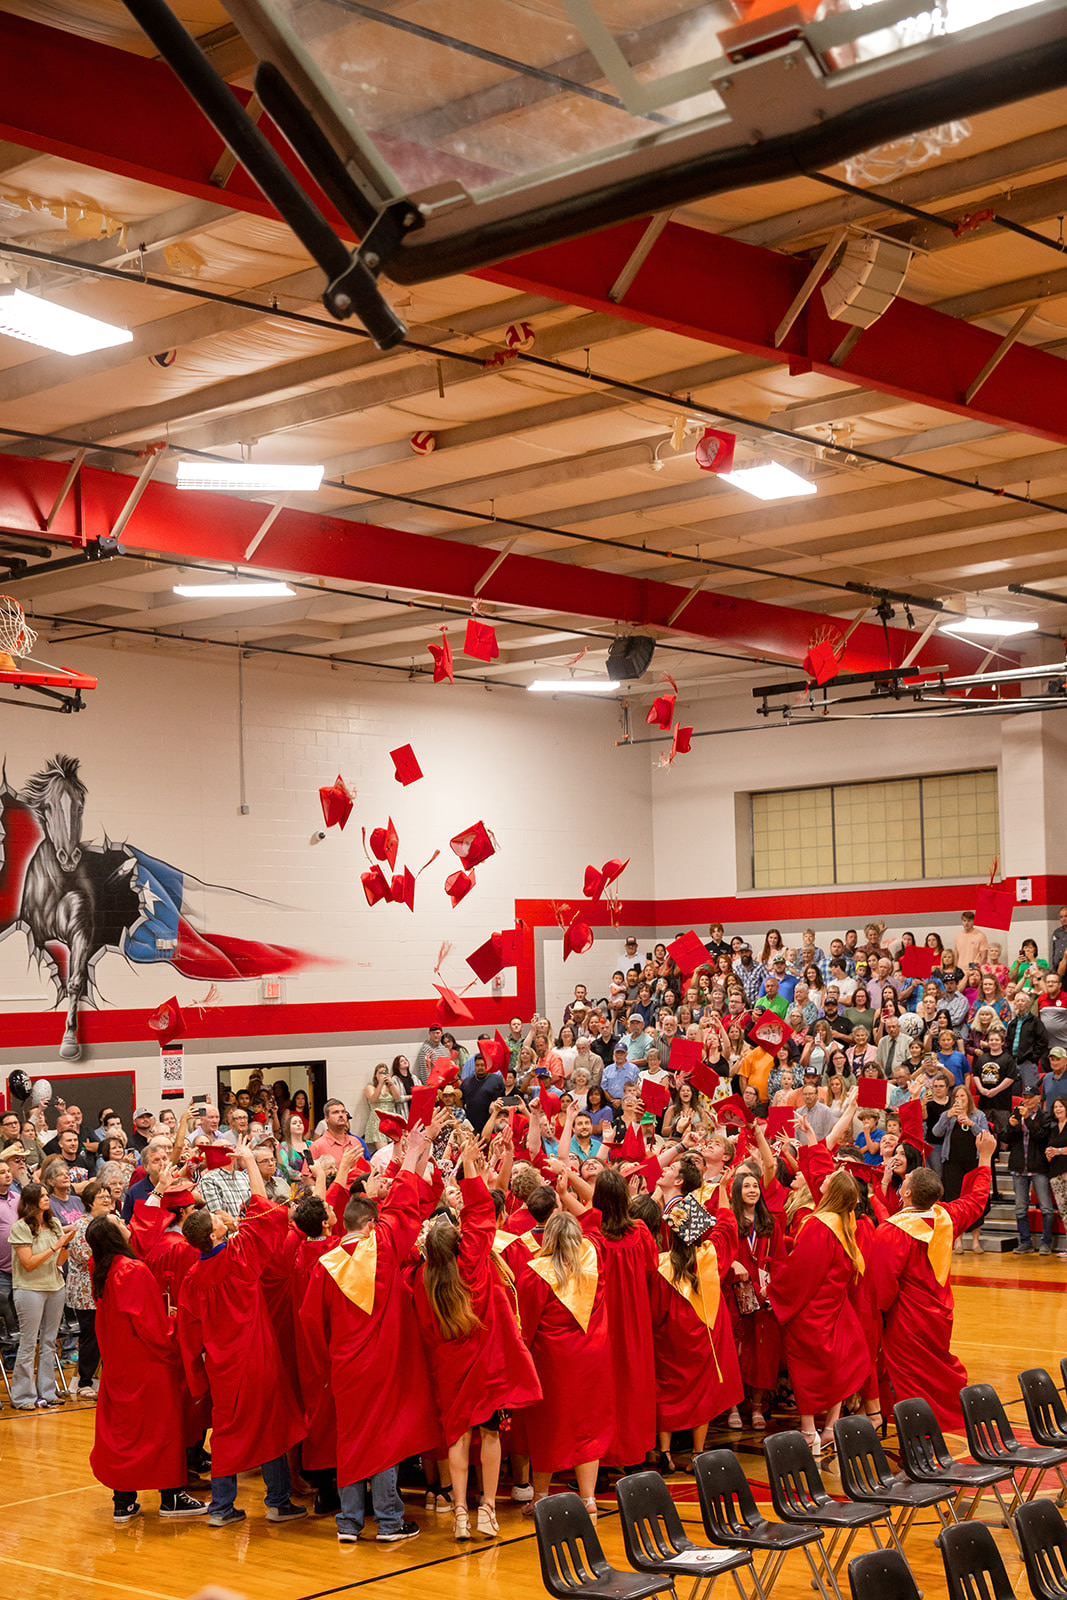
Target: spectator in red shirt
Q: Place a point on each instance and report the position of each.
(337, 1139)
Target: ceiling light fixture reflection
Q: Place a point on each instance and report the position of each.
(42, 322)
(239, 589)
(243, 476)
(986, 627)
(572, 686)
(769, 481)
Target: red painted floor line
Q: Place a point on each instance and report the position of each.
(1010, 1283)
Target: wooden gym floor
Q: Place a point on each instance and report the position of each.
(57, 1539)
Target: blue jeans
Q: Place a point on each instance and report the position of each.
(386, 1502)
(1021, 1182)
(275, 1476)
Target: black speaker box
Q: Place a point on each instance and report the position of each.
(629, 657)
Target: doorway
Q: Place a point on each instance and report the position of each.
(307, 1075)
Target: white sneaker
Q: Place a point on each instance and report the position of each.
(487, 1521)
(521, 1493)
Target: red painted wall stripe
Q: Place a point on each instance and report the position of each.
(243, 1024)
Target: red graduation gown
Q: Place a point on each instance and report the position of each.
(811, 1295)
(759, 1335)
(629, 1265)
(574, 1422)
(490, 1369)
(319, 1450)
(229, 1346)
(373, 1361)
(139, 1439)
(690, 1387)
(168, 1255)
(917, 1333)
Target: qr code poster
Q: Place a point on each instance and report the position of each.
(172, 1072)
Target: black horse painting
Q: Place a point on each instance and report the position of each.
(75, 900)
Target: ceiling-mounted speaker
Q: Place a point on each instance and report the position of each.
(629, 657)
(866, 281)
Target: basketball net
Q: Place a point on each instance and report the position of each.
(16, 638)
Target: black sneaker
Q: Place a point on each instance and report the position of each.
(199, 1461)
(327, 1502)
(1023, 1250)
(286, 1513)
(127, 1513)
(183, 1505)
(406, 1530)
(225, 1519)
(347, 1538)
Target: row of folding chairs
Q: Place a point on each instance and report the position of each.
(825, 1529)
(660, 1552)
(974, 1567)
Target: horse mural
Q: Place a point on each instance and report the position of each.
(76, 900)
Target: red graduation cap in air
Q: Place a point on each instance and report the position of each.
(423, 1100)
(703, 1078)
(652, 1172)
(458, 885)
(687, 953)
(404, 888)
(821, 662)
(375, 886)
(442, 1072)
(684, 1055)
(769, 1031)
(500, 950)
(733, 1109)
(715, 451)
(474, 845)
(910, 1113)
(780, 1119)
(993, 908)
(392, 1127)
(407, 768)
(442, 659)
(577, 938)
(495, 1051)
(680, 744)
(655, 1097)
(384, 842)
(917, 961)
(336, 803)
(550, 1103)
(661, 712)
(872, 1093)
(450, 1008)
(480, 641)
(216, 1155)
(597, 881)
(167, 1021)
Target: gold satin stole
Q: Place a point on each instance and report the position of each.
(934, 1229)
(705, 1301)
(831, 1220)
(577, 1296)
(354, 1274)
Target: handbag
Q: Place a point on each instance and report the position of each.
(747, 1300)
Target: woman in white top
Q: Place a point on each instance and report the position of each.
(567, 1050)
(816, 1052)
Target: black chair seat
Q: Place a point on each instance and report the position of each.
(866, 1475)
(572, 1560)
(797, 1490)
(926, 1456)
(778, 1536)
(653, 1536)
(989, 1433)
(729, 1511)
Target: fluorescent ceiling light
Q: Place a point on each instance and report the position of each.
(770, 481)
(987, 627)
(246, 475)
(573, 685)
(43, 322)
(239, 589)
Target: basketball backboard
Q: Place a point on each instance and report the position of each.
(471, 130)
